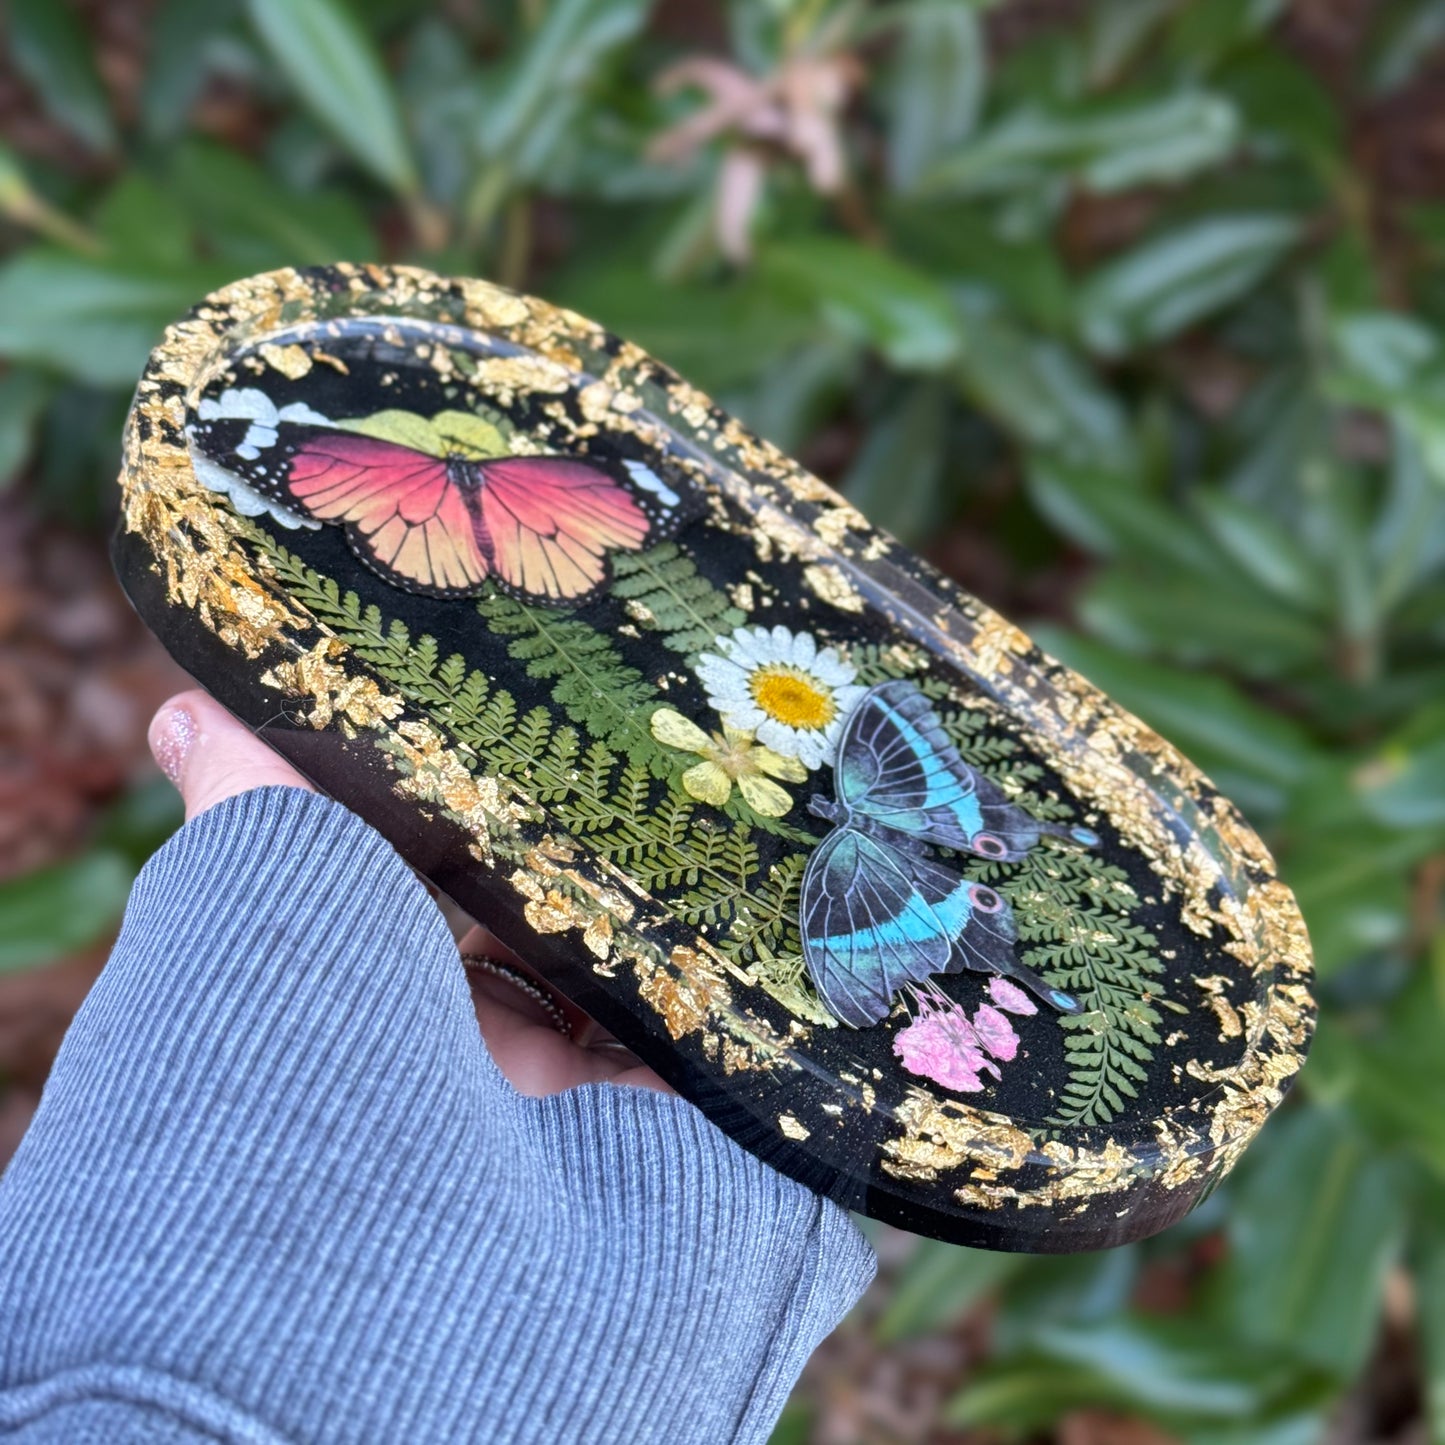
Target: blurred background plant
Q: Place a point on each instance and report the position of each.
(1128, 313)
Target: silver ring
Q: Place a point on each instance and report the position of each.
(510, 973)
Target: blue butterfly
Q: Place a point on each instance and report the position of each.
(877, 912)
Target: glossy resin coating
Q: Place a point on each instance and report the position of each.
(911, 911)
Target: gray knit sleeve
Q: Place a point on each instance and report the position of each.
(277, 1190)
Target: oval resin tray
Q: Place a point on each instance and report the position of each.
(912, 912)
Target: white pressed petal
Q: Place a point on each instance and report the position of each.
(804, 650)
(745, 715)
(832, 669)
(750, 642)
(732, 698)
(722, 678)
(777, 736)
(245, 403)
(811, 750)
(782, 643)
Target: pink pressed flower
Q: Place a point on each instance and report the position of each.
(929, 1048)
(1010, 997)
(940, 1044)
(995, 1032)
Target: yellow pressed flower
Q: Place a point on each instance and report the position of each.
(729, 757)
(792, 696)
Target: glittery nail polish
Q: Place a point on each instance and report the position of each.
(174, 739)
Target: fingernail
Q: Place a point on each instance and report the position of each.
(174, 738)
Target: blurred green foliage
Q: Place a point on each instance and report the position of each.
(1113, 302)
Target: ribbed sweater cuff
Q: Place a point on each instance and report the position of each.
(275, 1166)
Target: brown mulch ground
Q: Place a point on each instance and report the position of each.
(79, 680)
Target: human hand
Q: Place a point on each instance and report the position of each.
(210, 756)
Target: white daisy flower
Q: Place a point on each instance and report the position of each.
(779, 685)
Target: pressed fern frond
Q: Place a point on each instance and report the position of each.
(666, 593)
(591, 683)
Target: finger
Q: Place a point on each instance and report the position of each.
(210, 756)
(525, 1044)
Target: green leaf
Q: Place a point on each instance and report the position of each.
(93, 322)
(57, 911)
(141, 820)
(23, 395)
(1261, 753)
(1263, 548)
(870, 295)
(935, 85)
(1205, 31)
(251, 218)
(1176, 1370)
(1143, 608)
(335, 70)
(896, 475)
(1041, 391)
(1178, 278)
(1396, 364)
(1405, 786)
(1407, 37)
(1429, 1277)
(532, 102)
(1106, 148)
(1317, 1223)
(1077, 1289)
(940, 1285)
(959, 242)
(1386, 1070)
(182, 35)
(680, 325)
(144, 225)
(1352, 883)
(1284, 104)
(1407, 541)
(55, 55)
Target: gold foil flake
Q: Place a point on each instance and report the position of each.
(508, 375)
(1215, 987)
(597, 936)
(938, 1135)
(792, 1128)
(320, 676)
(689, 404)
(433, 773)
(556, 912)
(686, 993)
(832, 585)
(776, 532)
(833, 523)
(997, 644)
(594, 401)
(291, 361)
(495, 308)
(1273, 918)
(681, 1009)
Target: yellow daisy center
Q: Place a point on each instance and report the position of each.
(791, 696)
